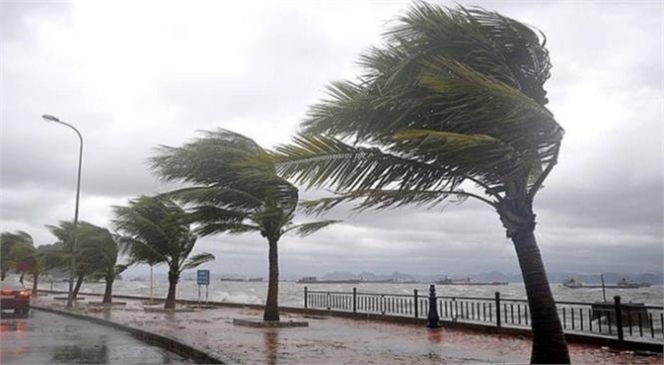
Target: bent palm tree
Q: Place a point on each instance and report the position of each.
(8, 241)
(46, 258)
(236, 190)
(106, 254)
(156, 230)
(456, 96)
(90, 245)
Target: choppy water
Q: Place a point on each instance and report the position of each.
(292, 294)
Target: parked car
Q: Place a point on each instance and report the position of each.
(14, 296)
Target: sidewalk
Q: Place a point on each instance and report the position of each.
(329, 340)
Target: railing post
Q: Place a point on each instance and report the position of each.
(354, 300)
(415, 303)
(619, 324)
(433, 320)
(306, 302)
(498, 324)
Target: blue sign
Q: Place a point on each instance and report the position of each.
(203, 277)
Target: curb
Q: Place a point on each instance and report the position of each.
(167, 343)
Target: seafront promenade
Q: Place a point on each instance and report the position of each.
(327, 339)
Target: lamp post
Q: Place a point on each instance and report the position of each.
(50, 118)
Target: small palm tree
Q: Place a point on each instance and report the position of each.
(42, 261)
(236, 190)
(156, 230)
(90, 245)
(106, 258)
(455, 97)
(8, 241)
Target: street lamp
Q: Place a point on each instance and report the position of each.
(50, 118)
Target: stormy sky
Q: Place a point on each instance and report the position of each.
(132, 75)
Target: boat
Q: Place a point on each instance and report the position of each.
(449, 281)
(572, 284)
(627, 284)
(314, 280)
(241, 279)
(624, 283)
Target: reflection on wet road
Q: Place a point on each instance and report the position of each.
(45, 338)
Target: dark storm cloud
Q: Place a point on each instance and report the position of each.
(256, 69)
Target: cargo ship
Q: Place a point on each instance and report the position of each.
(624, 283)
(242, 279)
(449, 281)
(314, 280)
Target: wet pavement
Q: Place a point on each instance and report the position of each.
(46, 338)
(332, 340)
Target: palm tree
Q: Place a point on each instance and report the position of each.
(106, 261)
(45, 258)
(8, 241)
(90, 244)
(156, 230)
(236, 190)
(455, 98)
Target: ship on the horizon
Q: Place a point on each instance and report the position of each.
(624, 283)
(314, 280)
(241, 279)
(449, 281)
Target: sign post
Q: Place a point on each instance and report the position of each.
(203, 278)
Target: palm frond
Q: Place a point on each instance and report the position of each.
(319, 160)
(389, 199)
(197, 260)
(234, 199)
(306, 229)
(207, 229)
(473, 155)
(463, 71)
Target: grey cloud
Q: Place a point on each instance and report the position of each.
(601, 207)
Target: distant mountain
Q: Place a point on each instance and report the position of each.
(610, 278)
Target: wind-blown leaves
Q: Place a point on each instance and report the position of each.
(386, 199)
(197, 260)
(317, 160)
(454, 95)
(8, 241)
(155, 230)
(306, 229)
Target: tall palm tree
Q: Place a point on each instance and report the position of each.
(156, 230)
(236, 190)
(8, 241)
(455, 98)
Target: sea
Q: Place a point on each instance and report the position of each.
(291, 294)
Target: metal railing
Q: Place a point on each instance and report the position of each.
(624, 321)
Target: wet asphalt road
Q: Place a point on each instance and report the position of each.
(46, 338)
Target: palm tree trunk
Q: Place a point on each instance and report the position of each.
(549, 345)
(77, 287)
(151, 281)
(172, 284)
(35, 279)
(108, 292)
(20, 279)
(3, 273)
(272, 304)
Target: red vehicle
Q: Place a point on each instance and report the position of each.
(14, 296)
